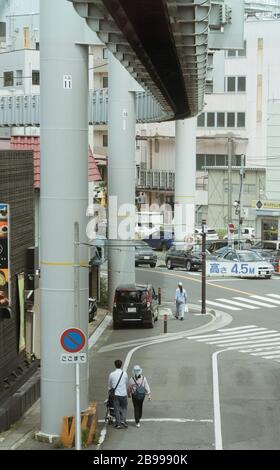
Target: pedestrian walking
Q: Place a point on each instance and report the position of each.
(117, 386)
(138, 388)
(181, 299)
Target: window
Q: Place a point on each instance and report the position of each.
(201, 120)
(8, 78)
(105, 53)
(231, 84)
(231, 53)
(26, 41)
(242, 52)
(156, 146)
(210, 119)
(210, 160)
(19, 77)
(220, 119)
(200, 162)
(236, 160)
(37, 46)
(241, 84)
(221, 160)
(105, 140)
(230, 119)
(240, 119)
(105, 82)
(35, 77)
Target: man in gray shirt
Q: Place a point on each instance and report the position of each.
(119, 381)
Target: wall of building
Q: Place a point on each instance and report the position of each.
(16, 189)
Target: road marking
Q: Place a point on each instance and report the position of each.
(228, 334)
(266, 353)
(232, 302)
(255, 341)
(216, 304)
(238, 328)
(216, 403)
(274, 295)
(245, 337)
(260, 297)
(168, 420)
(254, 302)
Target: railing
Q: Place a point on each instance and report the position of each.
(162, 180)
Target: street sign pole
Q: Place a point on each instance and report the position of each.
(203, 286)
(73, 341)
(78, 411)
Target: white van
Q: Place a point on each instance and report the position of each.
(247, 233)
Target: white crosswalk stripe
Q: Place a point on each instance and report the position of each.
(250, 339)
(252, 302)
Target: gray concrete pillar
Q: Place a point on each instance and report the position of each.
(185, 175)
(121, 176)
(64, 198)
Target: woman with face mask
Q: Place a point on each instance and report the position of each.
(138, 388)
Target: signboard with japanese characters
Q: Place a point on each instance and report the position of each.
(4, 257)
(79, 358)
(231, 268)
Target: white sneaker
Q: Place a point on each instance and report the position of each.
(138, 425)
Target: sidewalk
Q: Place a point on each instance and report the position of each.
(21, 435)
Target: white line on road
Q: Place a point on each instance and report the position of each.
(239, 304)
(254, 302)
(228, 334)
(238, 328)
(216, 304)
(274, 295)
(168, 420)
(245, 337)
(260, 297)
(216, 402)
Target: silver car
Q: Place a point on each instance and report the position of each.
(262, 268)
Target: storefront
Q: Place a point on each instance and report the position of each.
(267, 219)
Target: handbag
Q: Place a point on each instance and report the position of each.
(186, 310)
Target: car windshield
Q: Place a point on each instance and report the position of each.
(128, 297)
(249, 256)
(142, 246)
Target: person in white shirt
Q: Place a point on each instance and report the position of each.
(118, 380)
(181, 302)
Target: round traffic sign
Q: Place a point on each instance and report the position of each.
(73, 340)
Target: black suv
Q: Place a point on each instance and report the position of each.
(135, 303)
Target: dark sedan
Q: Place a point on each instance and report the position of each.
(182, 256)
(144, 254)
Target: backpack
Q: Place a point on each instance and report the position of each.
(140, 391)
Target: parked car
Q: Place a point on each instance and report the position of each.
(248, 234)
(183, 256)
(267, 245)
(211, 234)
(134, 303)
(144, 254)
(263, 268)
(160, 240)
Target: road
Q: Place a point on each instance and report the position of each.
(211, 390)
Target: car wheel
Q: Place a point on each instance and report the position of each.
(152, 265)
(169, 264)
(152, 322)
(188, 265)
(116, 325)
(136, 264)
(268, 277)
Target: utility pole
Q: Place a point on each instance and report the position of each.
(230, 146)
(203, 286)
(240, 210)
